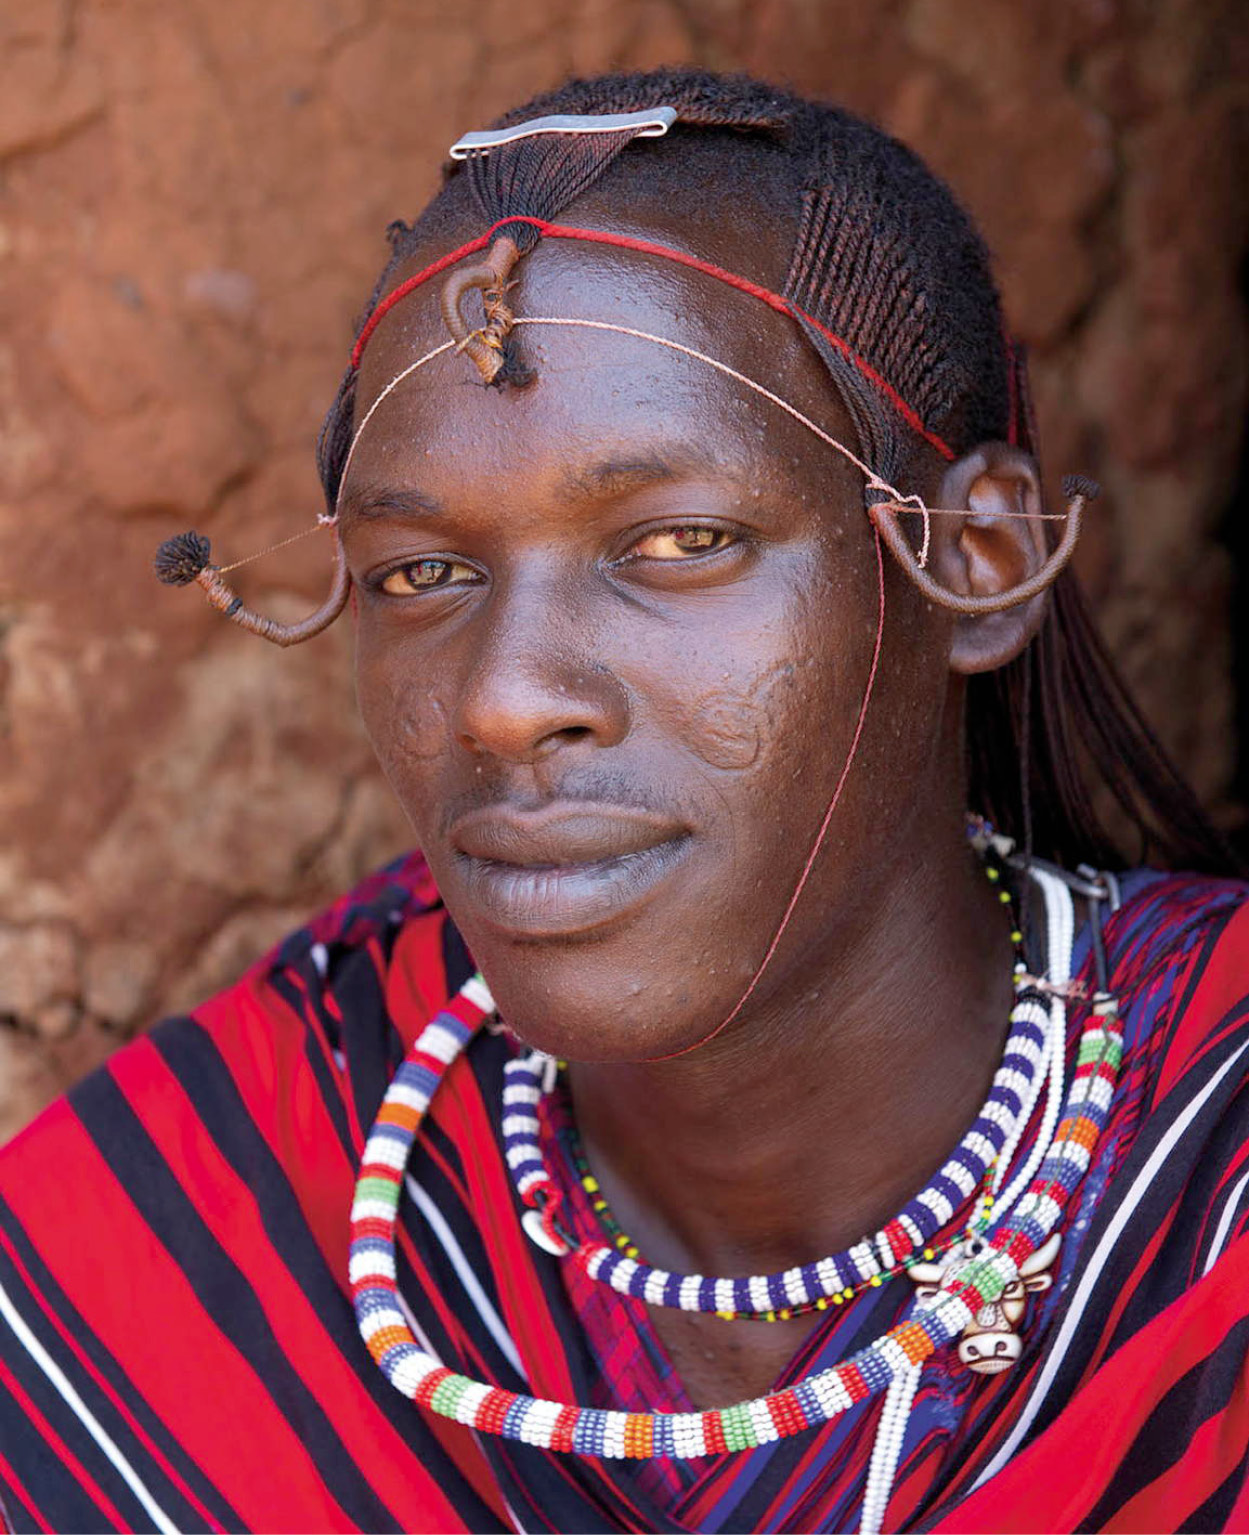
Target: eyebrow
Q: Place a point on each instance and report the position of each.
(620, 476)
(599, 481)
(377, 501)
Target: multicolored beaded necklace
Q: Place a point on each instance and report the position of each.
(901, 1242)
(890, 1363)
(981, 1217)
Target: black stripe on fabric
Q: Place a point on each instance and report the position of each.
(7, 1501)
(154, 1477)
(54, 1488)
(222, 1289)
(1163, 1439)
(1211, 924)
(300, 999)
(195, 1061)
(1216, 1512)
(1221, 1167)
(1167, 1277)
(49, 1485)
(371, 1042)
(457, 962)
(1182, 1195)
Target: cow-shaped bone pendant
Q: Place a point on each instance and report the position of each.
(989, 1343)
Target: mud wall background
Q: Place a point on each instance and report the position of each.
(192, 199)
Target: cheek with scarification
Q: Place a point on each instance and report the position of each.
(405, 722)
(730, 725)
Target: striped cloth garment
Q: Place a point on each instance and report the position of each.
(178, 1349)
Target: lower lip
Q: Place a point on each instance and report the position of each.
(555, 902)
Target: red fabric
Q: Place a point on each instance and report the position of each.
(1046, 1486)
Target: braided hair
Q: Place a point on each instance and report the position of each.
(880, 253)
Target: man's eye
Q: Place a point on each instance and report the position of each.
(425, 576)
(678, 542)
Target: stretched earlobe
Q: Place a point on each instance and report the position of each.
(884, 515)
(987, 559)
(486, 345)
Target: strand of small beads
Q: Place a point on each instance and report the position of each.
(970, 1284)
(623, 1243)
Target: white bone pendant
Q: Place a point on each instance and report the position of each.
(990, 1343)
(537, 1233)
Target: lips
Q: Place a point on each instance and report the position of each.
(563, 869)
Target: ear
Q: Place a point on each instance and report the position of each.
(1000, 545)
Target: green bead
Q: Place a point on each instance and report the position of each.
(739, 1431)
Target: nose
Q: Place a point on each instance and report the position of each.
(534, 682)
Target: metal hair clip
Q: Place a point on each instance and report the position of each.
(650, 124)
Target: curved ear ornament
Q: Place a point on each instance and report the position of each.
(1078, 490)
(185, 558)
(484, 345)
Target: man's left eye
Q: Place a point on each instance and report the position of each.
(425, 576)
(679, 542)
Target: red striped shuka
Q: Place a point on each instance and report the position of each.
(178, 1349)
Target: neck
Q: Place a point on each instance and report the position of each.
(814, 1119)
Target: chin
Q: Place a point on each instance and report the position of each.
(596, 1001)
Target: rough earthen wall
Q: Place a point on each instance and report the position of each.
(191, 203)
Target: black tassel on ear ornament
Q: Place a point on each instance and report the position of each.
(186, 559)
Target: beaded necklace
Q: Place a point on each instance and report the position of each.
(981, 1216)
(890, 1363)
(900, 1243)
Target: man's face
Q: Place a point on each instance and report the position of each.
(614, 634)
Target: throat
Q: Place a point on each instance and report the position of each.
(719, 1363)
(826, 1112)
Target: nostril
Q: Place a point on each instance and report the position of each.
(568, 736)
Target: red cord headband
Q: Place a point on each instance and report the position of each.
(774, 301)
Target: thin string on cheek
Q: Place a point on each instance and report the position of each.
(820, 835)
